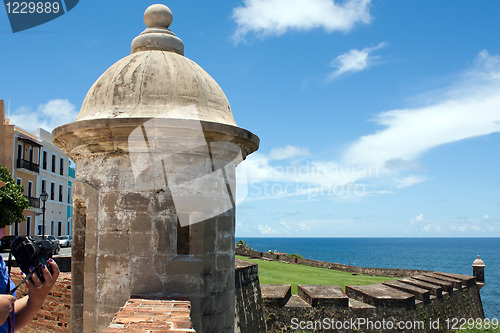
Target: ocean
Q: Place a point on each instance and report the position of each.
(452, 255)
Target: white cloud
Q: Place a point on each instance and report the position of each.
(417, 219)
(409, 180)
(48, 116)
(354, 61)
(386, 160)
(484, 59)
(276, 17)
(303, 227)
(463, 224)
(266, 230)
(467, 109)
(287, 152)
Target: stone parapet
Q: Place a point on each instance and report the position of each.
(406, 300)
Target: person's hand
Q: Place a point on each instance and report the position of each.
(37, 290)
(6, 307)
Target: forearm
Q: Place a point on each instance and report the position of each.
(26, 309)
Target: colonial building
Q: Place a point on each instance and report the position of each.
(39, 166)
(54, 179)
(20, 153)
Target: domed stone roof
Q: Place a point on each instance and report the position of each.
(478, 263)
(156, 80)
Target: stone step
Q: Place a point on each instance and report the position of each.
(421, 294)
(276, 294)
(380, 295)
(446, 286)
(318, 295)
(457, 284)
(434, 289)
(296, 302)
(467, 280)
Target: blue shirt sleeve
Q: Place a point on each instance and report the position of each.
(4, 281)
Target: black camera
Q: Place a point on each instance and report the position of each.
(32, 253)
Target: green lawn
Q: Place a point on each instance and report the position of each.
(274, 272)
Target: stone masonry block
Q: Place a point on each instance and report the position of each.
(276, 294)
(434, 289)
(457, 284)
(446, 286)
(380, 295)
(420, 293)
(468, 281)
(316, 295)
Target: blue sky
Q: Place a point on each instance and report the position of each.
(376, 118)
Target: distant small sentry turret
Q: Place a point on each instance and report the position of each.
(478, 270)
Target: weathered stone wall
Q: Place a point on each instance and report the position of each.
(129, 242)
(249, 314)
(391, 272)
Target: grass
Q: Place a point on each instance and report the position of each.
(274, 272)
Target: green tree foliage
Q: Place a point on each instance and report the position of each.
(242, 245)
(12, 200)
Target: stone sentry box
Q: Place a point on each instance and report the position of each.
(155, 146)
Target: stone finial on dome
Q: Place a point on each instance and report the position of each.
(158, 16)
(478, 262)
(157, 36)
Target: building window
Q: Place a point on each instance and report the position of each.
(44, 160)
(28, 225)
(52, 190)
(19, 151)
(19, 181)
(183, 238)
(51, 227)
(54, 163)
(31, 154)
(44, 188)
(69, 195)
(30, 188)
(60, 193)
(61, 166)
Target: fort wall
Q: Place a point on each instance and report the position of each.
(426, 301)
(391, 272)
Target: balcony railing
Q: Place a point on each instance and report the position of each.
(34, 202)
(28, 165)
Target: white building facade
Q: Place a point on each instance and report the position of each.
(55, 179)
